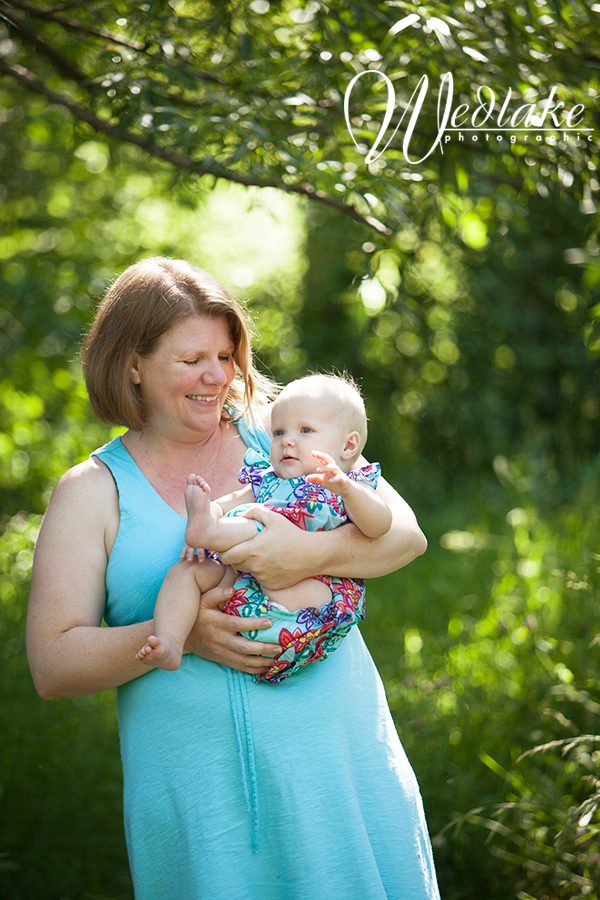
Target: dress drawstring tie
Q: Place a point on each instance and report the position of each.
(238, 696)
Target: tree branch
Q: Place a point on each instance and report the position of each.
(78, 28)
(198, 167)
(59, 9)
(107, 36)
(62, 65)
(71, 25)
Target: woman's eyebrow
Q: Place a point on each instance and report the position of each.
(192, 351)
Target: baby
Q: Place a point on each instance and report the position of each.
(319, 428)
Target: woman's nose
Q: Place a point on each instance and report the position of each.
(214, 374)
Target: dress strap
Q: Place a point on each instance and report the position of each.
(135, 491)
(254, 434)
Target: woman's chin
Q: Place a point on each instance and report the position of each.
(206, 408)
(203, 419)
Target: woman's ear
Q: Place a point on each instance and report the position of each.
(134, 369)
(351, 445)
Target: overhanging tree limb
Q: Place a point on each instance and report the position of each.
(106, 37)
(198, 167)
(71, 25)
(58, 60)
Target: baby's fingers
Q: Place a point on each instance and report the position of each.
(187, 553)
(326, 474)
(324, 458)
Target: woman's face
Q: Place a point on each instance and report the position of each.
(185, 380)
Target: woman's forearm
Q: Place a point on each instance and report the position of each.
(87, 659)
(282, 555)
(346, 552)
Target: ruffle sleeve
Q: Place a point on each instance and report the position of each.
(256, 466)
(369, 473)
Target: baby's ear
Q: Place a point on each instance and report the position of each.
(351, 445)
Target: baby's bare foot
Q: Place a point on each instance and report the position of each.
(163, 652)
(197, 502)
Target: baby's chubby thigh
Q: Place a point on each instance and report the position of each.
(309, 593)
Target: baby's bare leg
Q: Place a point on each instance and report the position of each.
(228, 579)
(309, 592)
(175, 617)
(204, 528)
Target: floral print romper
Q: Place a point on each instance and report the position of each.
(310, 634)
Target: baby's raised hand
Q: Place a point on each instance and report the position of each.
(328, 473)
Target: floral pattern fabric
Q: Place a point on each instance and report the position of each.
(312, 633)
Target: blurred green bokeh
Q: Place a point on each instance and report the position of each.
(474, 331)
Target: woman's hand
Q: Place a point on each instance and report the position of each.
(215, 636)
(278, 557)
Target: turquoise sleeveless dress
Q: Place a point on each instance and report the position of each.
(239, 790)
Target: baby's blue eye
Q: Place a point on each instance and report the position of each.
(278, 432)
(306, 429)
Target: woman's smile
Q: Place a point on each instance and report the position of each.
(187, 377)
(203, 398)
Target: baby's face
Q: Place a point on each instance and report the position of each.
(300, 425)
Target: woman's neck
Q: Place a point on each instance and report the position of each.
(152, 444)
(166, 462)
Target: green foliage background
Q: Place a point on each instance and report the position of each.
(472, 325)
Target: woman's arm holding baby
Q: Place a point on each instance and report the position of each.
(282, 554)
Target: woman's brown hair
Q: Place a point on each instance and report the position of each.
(139, 307)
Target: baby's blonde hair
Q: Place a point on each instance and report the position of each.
(350, 408)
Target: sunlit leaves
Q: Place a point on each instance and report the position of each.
(258, 89)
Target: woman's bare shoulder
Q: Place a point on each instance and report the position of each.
(89, 481)
(83, 510)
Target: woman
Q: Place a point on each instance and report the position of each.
(232, 788)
